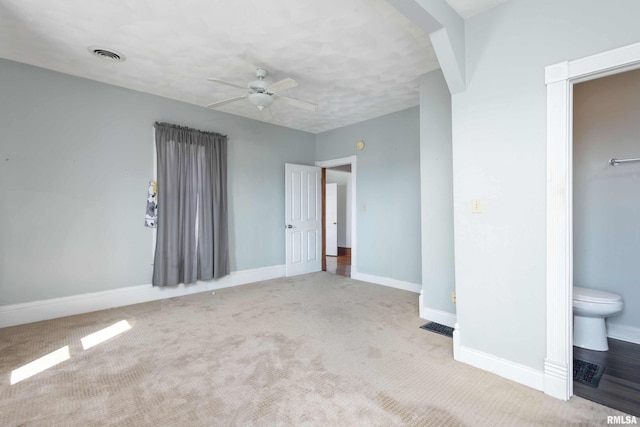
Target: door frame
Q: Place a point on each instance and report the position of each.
(351, 160)
(560, 78)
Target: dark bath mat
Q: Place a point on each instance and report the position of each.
(447, 331)
(587, 373)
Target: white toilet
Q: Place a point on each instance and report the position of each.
(590, 307)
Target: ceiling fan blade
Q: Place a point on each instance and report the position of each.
(283, 84)
(299, 103)
(226, 101)
(224, 82)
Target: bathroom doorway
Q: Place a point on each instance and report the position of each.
(560, 79)
(606, 245)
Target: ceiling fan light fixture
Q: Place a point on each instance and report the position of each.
(261, 100)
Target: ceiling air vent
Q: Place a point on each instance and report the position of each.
(106, 54)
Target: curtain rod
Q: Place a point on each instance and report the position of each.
(616, 162)
(185, 128)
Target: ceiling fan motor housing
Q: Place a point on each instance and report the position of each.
(260, 97)
(258, 85)
(260, 100)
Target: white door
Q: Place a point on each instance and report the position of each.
(331, 219)
(303, 219)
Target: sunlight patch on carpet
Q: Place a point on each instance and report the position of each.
(102, 335)
(39, 365)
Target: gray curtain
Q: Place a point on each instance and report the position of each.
(192, 242)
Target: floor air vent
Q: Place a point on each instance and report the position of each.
(587, 373)
(447, 331)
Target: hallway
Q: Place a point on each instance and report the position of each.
(341, 264)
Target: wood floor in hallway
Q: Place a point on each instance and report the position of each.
(340, 264)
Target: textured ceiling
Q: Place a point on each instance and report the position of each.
(356, 59)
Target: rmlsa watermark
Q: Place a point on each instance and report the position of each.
(621, 419)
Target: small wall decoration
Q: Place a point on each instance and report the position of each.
(151, 218)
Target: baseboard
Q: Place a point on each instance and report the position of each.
(386, 281)
(18, 314)
(623, 333)
(555, 379)
(457, 343)
(504, 368)
(438, 316)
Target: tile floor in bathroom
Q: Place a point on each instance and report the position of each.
(620, 384)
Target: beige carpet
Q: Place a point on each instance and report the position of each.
(317, 350)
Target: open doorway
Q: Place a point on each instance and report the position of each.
(560, 78)
(339, 219)
(605, 252)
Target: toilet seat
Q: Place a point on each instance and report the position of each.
(594, 296)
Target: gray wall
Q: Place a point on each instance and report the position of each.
(343, 181)
(606, 199)
(499, 156)
(76, 157)
(388, 191)
(436, 176)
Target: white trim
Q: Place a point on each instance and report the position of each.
(351, 160)
(623, 333)
(556, 73)
(457, 342)
(559, 355)
(387, 281)
(17, 314)
(555, 379)
(502, 367)
(438, 316)
(606, 63)
(558, 381)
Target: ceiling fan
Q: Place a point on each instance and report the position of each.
(262, 94)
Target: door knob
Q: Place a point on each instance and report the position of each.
(289, 226)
